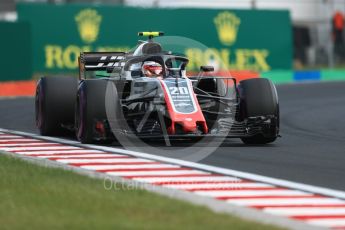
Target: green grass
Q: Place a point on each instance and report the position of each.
(35, 197)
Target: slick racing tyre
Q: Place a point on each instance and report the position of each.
(90, 108)
(54, 104)
(259, 99)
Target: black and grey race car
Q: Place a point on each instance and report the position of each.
(145, 93)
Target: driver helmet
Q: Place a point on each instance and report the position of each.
(152, 69)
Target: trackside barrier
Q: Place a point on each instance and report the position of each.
(286, 76)
(15, 56)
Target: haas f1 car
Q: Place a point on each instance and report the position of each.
(145, 93)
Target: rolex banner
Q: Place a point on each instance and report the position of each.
(259, 40)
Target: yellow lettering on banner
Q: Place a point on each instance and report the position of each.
(67, 57)
(242, 59)
(261, 59)
(70, 57)
(196, 58)
(53, 55)
(224, 59)
(225, 56)
(252, 60)
(212, 55)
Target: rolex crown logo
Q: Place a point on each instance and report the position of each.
(88, 21)
(227, 27)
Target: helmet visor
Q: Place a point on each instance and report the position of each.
(153, 69)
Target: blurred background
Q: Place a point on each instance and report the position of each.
(284, 40)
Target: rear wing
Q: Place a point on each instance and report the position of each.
(93, 61)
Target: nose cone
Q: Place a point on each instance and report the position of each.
(189, 126)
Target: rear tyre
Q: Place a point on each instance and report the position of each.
(91, 108)
(54, 104)
(259, 99)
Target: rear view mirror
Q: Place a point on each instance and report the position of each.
(206, 68)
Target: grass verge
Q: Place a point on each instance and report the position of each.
(35, 197)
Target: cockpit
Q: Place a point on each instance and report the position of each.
(159, 65)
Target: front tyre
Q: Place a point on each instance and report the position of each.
(259, 98)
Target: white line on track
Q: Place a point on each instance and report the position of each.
(328, 222)
(112, 167)
(58, 152)
(80, 155)
(14, 149)
(156, 173)
(286, 201)
(252, 193)
(105, 160)
(293, 211)
(233, 185)
(4, 136)
(186, 179)
(41, 143)
(19, 140)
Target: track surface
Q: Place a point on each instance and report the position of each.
(311, 150)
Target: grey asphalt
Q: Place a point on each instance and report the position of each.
(311, 150)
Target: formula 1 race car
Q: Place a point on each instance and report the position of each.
(145, 93)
